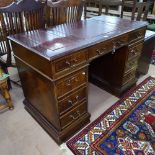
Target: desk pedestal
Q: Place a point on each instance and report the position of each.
(58, 136)
(112, 73)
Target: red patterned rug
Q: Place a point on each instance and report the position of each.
(126, 128)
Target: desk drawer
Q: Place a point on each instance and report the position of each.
(107, 46)
(136, 35)
(120, 41)
(132, 64)
(99, 49)
(72, 100)
(71, 82)
(135, 51)
(73, 115)
(129, 76)
(70, 61)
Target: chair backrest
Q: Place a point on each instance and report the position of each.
(139, 9)
(24, 15)
(92, 8)
(107, 4)
(19, 17)
(153, 10)
(142, 9)
(129, 7)
(64, 11)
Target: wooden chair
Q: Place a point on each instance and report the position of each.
(142, 9)
(4, 3)
(92, 8)
(128, 8)
(151, 20)
(64, 11)
(18, 17)
(5, 92)
(139, 10)
(98, 7)
(108, 4)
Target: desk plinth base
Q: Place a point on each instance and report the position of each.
(115, 90)
(58, 136)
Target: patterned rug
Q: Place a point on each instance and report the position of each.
(126, 128)
(153, 58)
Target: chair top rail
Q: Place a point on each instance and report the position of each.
(22, 5)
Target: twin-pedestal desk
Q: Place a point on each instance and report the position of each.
(54, 66)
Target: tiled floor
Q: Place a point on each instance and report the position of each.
(20, 134)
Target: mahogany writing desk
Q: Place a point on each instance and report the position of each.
(53, 67)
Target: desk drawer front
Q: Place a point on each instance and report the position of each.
(135, 51)
(128, 77)
(136, 35)
(107, 46)
(73, 115)
(131, 64)
(120, 41)
(99, 49)
(71, 82)
(70, 61)
(72, 100)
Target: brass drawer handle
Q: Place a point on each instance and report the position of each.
(68, 63)
(131, 64)
(71, 64)
(74, 61)
(68, 83)
(76, 79)
(117, 44)
(103, 50)
(77, 98)
(75, 117)
(70, 102)
(114, 49)
(139, 35)
(134, 52)
(120, 43)
(98, 52)
(78, 112)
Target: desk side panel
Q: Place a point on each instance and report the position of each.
(34, 60)
(145, 58)
(39, 92)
